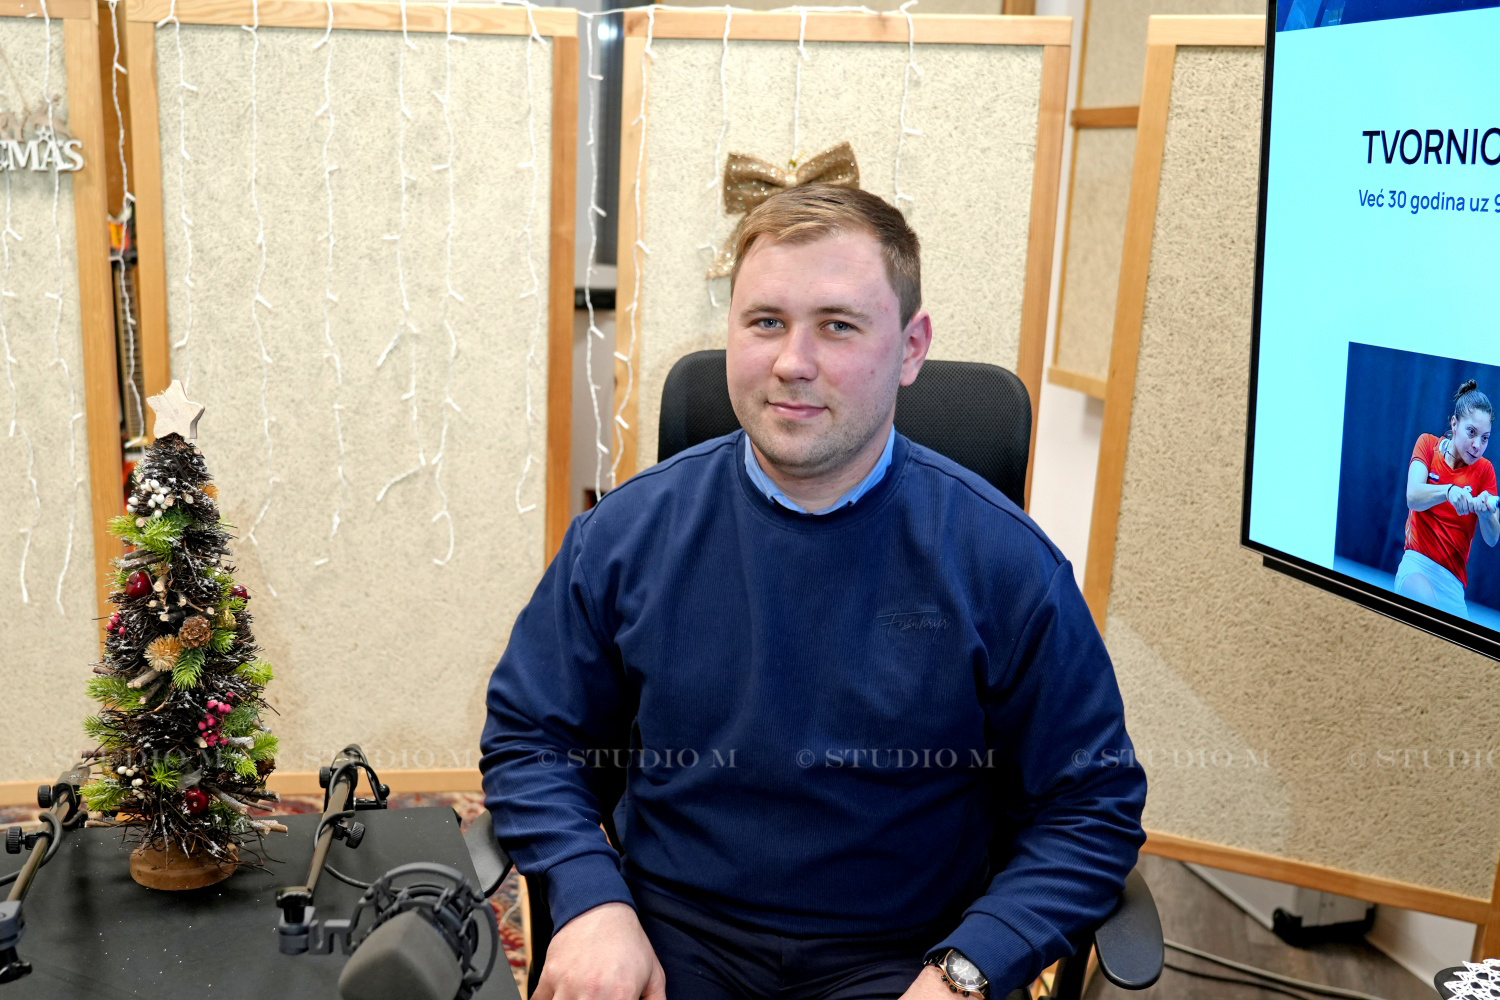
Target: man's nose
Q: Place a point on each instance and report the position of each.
(797, 359)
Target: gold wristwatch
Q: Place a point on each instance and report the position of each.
(959, 974)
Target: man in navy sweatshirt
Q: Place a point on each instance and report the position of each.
(866, 720)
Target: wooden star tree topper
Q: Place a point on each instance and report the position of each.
(175, 413)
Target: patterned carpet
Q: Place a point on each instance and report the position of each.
(468, 805)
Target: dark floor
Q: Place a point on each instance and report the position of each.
(1194, 913)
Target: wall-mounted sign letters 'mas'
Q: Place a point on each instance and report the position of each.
(38, 140)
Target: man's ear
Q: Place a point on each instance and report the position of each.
(916, 340)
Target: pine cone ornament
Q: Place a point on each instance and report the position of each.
(195, 632)
(162, 653)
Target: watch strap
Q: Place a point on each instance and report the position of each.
(939, 962)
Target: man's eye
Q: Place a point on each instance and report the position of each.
(839, 326)
(766, 323)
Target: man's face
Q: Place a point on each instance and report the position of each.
(816, 352)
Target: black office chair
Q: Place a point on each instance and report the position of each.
(978, 415)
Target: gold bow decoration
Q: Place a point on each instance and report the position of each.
(749, 180)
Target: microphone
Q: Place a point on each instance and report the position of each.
(405, 958)
(425, 939)
(418, 931)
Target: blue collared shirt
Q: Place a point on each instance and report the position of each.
(765, 485)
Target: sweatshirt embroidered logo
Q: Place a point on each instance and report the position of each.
(904, 621)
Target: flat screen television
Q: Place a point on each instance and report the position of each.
(1377, 297)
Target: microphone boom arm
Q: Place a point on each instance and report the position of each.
(65, 811)
(299, 929)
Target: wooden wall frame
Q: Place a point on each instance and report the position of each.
(96, 312)
(1053, 34)
(558, 24)
(1163, 39)
(1081, 118)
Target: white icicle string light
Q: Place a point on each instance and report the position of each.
(450, 295)
(183, 88)
(639, 247)
(912, 69)
(636, 249)
(534, 292)
(405, 326)
(713, 167)
(36, 513)
(258, 300)
(6, 235)
(797, 97)
(56, 296)
(595, 212)
(127, 202)
(329, 298)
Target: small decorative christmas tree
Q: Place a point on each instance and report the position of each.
(184, 753)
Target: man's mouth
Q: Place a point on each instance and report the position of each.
(794, 409)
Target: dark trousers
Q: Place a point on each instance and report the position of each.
(708, 958)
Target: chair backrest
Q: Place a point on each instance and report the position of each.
(979, 415)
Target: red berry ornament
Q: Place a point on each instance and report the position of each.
(139, 584)
(194, 800)
(240, 592)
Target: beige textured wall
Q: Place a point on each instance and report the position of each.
(1218, 655)
(1115, 45)
(46, 647)
(378, 643)
(969, 172)
(1101, 194)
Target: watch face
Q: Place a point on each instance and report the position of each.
(963, 972)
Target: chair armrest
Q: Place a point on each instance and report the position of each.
(1129, 942)
(491, 863)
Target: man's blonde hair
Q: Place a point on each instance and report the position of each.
(813, 211)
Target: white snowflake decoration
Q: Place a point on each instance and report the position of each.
(1476, 981)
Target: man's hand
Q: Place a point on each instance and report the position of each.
(602, 954)
(929, 985)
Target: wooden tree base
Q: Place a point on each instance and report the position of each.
(171, 869)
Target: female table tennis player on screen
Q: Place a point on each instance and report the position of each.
(1450, 492)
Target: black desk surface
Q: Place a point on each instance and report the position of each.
(92, 933)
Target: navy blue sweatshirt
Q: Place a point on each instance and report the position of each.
(827, 721)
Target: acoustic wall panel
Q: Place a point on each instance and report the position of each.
(975, 171)
(59, 405)
(1114, 53)
(358, 226)
(1285, 732)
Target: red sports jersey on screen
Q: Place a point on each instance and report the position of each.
(1440, 533)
